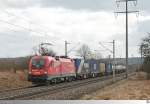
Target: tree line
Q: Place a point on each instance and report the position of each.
(145, 53)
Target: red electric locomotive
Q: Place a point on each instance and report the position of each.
(46, 69)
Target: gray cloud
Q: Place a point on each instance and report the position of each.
(144, 5)
(19, 4)
(144, 26)
(71, 4)
(141, 32)
(21, 43)
(80, 4)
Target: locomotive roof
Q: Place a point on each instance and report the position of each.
(55, 58)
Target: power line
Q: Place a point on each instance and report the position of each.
(16, 37)
(105, 47)
(21, 27)
(73, 48)
(41, 40)
(25, 28)
(23, 18)
(30, 22)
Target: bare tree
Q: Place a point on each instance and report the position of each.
(145, 49)
(145, 46)
(84, 51)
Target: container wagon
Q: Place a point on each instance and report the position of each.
(108, 67)
(102, 68)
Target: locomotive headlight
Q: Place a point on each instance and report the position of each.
(45, 72)
(29, 72)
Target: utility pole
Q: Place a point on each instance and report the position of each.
(126, 12)
(113, 60)
(66, 43)
(114, 63)
(113, 52)
(142, 56)
(126, 38)
(113, 49)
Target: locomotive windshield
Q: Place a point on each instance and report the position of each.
(38, 63)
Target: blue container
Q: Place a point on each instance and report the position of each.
(108, 67)
(93, 66)
(77, 63)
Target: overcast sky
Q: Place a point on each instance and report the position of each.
(26, 23)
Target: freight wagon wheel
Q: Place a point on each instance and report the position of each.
(48, 83)
(84, 76)
(79, 77)
(55, 81)
(72, 78)
(69, 79)
(93, 75)
(66, 79)
(59, 80)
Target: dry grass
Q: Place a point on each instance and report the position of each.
(135, 88)
(10, 80)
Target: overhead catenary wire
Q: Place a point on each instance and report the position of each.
(23, 18)
(28, 28)
(10, 35)
(25, 28)
(31, 22)
(45, 33)
(105, 47)
(73, 48)
(52, 39)
(22, 28)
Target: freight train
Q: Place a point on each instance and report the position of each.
(47, 69)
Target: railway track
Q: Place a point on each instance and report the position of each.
(65, 89)
(19, 88)
(33, 92)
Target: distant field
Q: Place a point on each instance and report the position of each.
(12, 64)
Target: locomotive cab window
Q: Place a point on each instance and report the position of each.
(38, 63)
